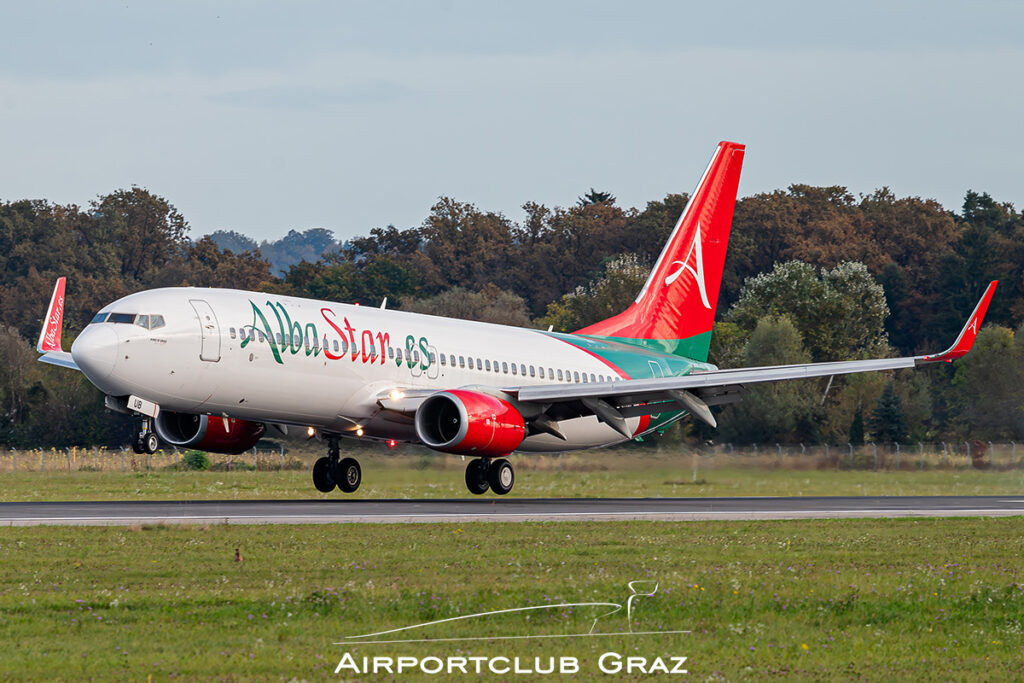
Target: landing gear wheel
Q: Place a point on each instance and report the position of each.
(476, 477)
(501, 476)
(150, 442)
(350, 475)
(322, 479)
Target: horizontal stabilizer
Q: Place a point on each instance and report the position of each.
(61, 358)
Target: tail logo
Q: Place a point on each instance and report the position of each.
(698, 271)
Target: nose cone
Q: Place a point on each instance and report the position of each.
(95, 352)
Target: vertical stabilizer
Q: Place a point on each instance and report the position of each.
(675, 310)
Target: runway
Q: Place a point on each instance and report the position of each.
(491, 509)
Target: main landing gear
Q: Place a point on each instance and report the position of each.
(483, 474)
(145, 440)
(333, 470)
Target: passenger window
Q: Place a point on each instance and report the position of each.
(470, 359)
(479, 364)
(444, 358)
(416, 356)
(231, 331)
(335, 346)
(391, 351)
(514, 369)
(584, 377)
(252, 334)
(592, 379)
(462, 361)
(277, 338)
(522, 370)
(487, 365)
(576, 376)
(551, 373)
(504, 367)
(559, 374)
(531, 372)
(451, 360)
(540, 372)
(262, 338)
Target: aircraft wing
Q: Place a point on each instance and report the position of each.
(616, 400)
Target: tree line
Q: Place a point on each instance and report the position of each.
(813, 273)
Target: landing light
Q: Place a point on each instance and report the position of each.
(359, 431)
(310, 432)
(391, 443)
(396, 395)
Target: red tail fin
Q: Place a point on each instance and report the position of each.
(675, 310)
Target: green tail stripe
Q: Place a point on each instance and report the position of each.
(695, 347)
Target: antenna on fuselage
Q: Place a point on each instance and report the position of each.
(384, 304)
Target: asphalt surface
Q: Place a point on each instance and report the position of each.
(492, 509)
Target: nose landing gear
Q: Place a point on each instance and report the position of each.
(483, 474)
(334, 471)
(145, 440)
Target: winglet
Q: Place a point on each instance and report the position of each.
(49, 337)
(967, 336)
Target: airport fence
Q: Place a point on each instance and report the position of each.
(871, 457)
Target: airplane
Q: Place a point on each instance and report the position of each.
(211, 369)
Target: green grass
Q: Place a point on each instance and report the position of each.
(442, 477)
(832, 600)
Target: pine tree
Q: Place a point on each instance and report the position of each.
(888, 423)
(857, 428)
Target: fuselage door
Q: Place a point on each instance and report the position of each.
(210, 330)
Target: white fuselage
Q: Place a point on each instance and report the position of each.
(286, 360)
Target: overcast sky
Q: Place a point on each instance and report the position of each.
(265, 117)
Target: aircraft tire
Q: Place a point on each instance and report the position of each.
(476, 477)
(150, 442)
(350, 475)
(322, 479)
(501, 476)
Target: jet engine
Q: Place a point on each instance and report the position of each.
(469, 423)
(208, 432)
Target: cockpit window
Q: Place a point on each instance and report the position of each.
(149, 322)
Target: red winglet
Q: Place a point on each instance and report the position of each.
(967, 336)
(49, 337)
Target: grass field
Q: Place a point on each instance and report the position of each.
(828, 600)
(442, 477)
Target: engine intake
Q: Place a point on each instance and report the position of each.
(208, 433)
(468, 422)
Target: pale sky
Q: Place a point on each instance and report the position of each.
(262, 117)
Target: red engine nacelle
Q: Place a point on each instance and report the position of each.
(208, 433)
(469, 423)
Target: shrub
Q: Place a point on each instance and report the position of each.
(196, 460)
